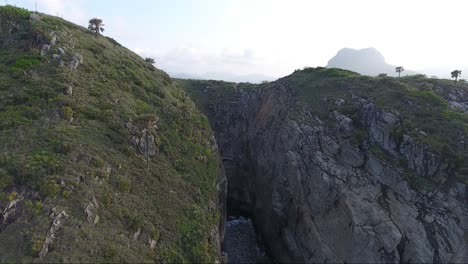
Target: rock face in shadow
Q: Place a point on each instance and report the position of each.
(241, 242)
(315, 196)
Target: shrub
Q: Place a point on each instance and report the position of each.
(67, 113)
(358, 136)
(122, 184)
(110, 252)
(61, 147)
(97, 162)
(378, 152)
(131, 220)
(35, 246)
(66, 194)
(12, 196)
(34, 207)
(49, 188)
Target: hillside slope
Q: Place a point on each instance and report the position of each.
(337, 167)
(102, 157)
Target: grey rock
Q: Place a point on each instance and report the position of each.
(429, 219)
(45, 50)
(56, 225)
(75, 61)
(53, 38)
(136, 235)
(340, 102)
(56, 56)
(344, 121)
(422, 133)
(419, 157)
(460, 106)
(10, 212)
(62, 51)
(143, 140)
(317, 198)
(146, 145)
(69, 90)
(380, 125)
(152, 243)
(91, 212)
(34, 17)
(352, 156)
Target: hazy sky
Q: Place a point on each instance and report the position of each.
(275, 37)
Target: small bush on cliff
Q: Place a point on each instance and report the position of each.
(67, 113)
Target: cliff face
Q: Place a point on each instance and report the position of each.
(103, 158)
(330, 172)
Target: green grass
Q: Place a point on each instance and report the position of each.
(26, 62)
(13, 12)
(41, 146)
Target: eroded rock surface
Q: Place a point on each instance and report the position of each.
(317, 197)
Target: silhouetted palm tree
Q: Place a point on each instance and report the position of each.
(456, 74)
(150, 60)
(399, 69)
(96, 25)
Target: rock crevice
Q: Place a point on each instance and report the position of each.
(314, 196)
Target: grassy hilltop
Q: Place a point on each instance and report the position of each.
(88, 127)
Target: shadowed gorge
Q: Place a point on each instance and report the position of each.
(337, 167)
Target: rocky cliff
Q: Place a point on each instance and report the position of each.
(337, 167)
(103, 158)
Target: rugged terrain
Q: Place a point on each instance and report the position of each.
(337, 167)
(103, 158)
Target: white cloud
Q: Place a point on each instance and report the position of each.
(274, 37)
(72, 10)
(200, 60)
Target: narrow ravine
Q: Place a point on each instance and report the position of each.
(241, 244)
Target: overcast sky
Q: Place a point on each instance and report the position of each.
(274, 37)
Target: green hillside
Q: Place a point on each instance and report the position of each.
(89, 128)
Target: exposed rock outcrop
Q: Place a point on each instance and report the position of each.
(56, 225)
(316, 197)
(10, 212)
(75, 61)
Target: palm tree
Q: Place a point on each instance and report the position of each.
(399, 69)
(150, 61)
(456, 74)
(96, 25)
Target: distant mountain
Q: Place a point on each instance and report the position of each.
(224, 76)
(367, 61)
